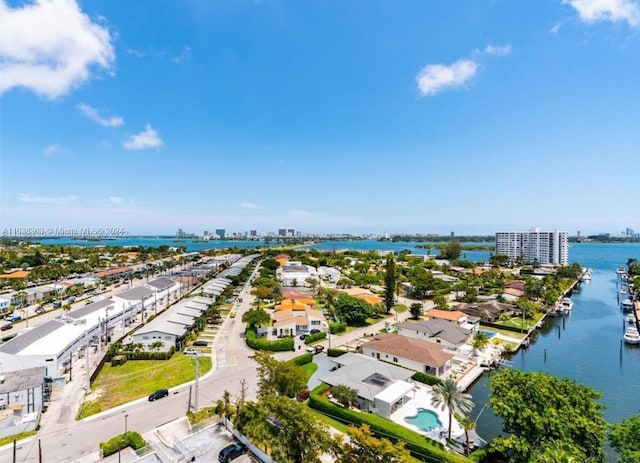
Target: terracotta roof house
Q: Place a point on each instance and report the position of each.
(515, 284)
(290, 305)
(454, 316)
(113, 272)
(295, 322)
(382, 387)
(408, 352)
(15, 275)
(440, 332)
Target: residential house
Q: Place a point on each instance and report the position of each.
(408, 352)
(382, 388)
(295, 274)
(291, 322)
(490, 311)
(461, 319)
(440, 332)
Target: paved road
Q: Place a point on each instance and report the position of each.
(65, 440)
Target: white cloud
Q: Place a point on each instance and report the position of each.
(148, 138)
(184, 55)
(116, 199)
(435, 78)
(52, 149)
(50, 46)
(247, 205)
(556, 27)
(134, 52)
(27, 198)
(592, 11)
(300, 213)
(94, 115)
(497, 50)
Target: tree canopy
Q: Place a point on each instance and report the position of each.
(278, 378)
(363, 447)
(351, 310)
(255, 317)
(538, 409)
(389, 284)
(625, 438)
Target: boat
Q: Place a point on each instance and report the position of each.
(631, 335)
(627, 305)
(564, 306)
(586, 274)
(623, 291)
(631, 318)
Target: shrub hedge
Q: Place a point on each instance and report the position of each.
(129, 439)
(315, 337)
(420, 446)
(336, 352)
(335, 328)
(302, 359)
(426, 379)
(256, 343)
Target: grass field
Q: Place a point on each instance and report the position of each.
(138, 378)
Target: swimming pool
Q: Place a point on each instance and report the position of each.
(424, 419)
(489, 334)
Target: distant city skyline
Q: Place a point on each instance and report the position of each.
(320, 117)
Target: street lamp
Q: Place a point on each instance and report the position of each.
(125, 423)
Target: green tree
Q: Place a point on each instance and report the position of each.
(441, 301)
(451, 250)
(480, 340)
(362, 447)
(351, 310)
(467, 424)
(345, 395)
(558, 452)
(255, 317)
(625, 438)
(416, 310)
(389, 284)
(537, 409)
(447, 395)
(278, 378)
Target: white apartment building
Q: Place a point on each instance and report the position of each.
(544, 247)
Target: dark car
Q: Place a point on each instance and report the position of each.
(303, 337)
(40, 309)
(231, 452)
(6, 327)
(159, 394)
(201, 343)
(314, 331)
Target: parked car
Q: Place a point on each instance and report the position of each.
(13, 318)
(303, 337)
(159, 394)
(201, 343)
(191, 351)
(314, 331)
(217, 319)
(303, 395)
(6, 327)
(40, 309)
(231, 452)
(315, 349)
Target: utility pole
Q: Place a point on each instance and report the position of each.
(197, 380)
(243, 392)
(86, 354)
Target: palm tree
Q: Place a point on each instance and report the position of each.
(468, 425)
(480, 340)
(447, 395)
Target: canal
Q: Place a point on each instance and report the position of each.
(585, 345)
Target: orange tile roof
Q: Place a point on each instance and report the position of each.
(451, 315)
(18, 274)
(370, 298)
(112, 271)
(425, 352)
(293, 295)
(291, 305)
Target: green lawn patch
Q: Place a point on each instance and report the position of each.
(10, 439)
(400, 308)
(138, 378)
(309, 369)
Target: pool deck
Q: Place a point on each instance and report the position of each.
(422, 399)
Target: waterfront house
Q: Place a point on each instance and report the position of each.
(490, 311)
(440, 332)
(415, 354)
(295, 274)
(382, 388)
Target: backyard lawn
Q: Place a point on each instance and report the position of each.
(138, 378)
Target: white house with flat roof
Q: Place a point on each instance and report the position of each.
(382, 388)
(295, 274)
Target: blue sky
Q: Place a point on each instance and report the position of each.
(323, 116)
